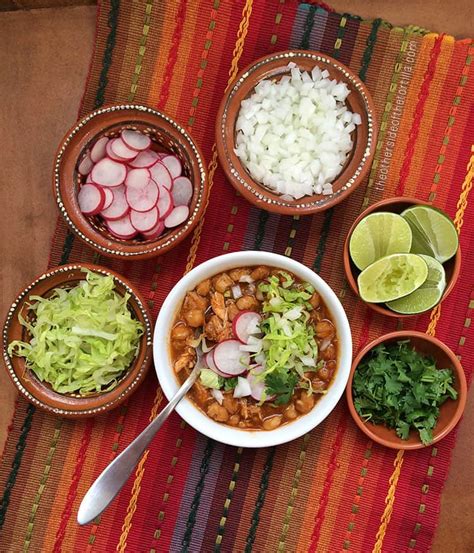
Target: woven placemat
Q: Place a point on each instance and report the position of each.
(332, 489)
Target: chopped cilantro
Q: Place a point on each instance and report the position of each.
(281, 383)
(397, 386)
(230, 383)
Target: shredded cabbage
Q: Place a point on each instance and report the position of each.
(82, 338)
(210, 379)
(289, 342)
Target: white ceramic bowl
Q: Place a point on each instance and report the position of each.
(190, 412)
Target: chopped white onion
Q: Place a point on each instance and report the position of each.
(293, 135)
(243, 387)
(218, 396)
(236, 292)
(247, 279)
(325, 344)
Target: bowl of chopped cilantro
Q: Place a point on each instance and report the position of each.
(407, 390)
(77, 341)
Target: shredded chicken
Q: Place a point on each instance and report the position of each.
(217, 330)
(218, 305)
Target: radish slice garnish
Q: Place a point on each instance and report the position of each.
(243, 388)
(144, 221)
(155, 231)
(136, 140)
(182, 191)
(173, 165)
(165, 203)
(209, 360)
(98, 150)
(109, 197)
(109, 152)
(137, 177)
(122, 228)
(229, 358)
(257, 385)
(119, 206)
(177, 216)
(108, 172)
(160, 174)
(142, 198)
(86, 165)
(245, 325)
(91, 199)
(120, 149)
(145, 159)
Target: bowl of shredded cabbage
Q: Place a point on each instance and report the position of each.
(296, 132)
(77, 341)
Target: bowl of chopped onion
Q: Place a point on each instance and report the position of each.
(130, 182)
(77, 341)
(296, 132)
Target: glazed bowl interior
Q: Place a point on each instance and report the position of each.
(189, 411)
(167, 136)
(450, 411)
(42, 394)
(274, 67)
(452, 267)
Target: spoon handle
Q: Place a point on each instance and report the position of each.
(114, 476)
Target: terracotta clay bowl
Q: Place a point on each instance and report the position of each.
(274, 67)
(167, 136)
(451, 410)
(398, 204)
(40, 393)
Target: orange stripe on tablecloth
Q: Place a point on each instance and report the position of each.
(448, 139)
(426, 116)
(435, 316)
(412, 100)
(246, 13)
(161, 48)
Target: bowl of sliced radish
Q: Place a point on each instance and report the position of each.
(256, 387)
(130, 181)
(296, 132)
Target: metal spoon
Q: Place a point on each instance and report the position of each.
(114, 476)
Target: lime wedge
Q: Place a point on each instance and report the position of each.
(377, 235)
(427, 295)
(434, 233)
(392, 277)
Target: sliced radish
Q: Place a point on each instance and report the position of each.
(245, 324)
(98, 150)
(144, 221)
(109, 152)
(91, 199)
(142, 198)
(156, 231)
(243, 388)
(182, 191)
(257, 385)
(109, 197)
(229, 359)
(108, 172)
(89, 179)
(137, 177)
(122, 228)
(160, 174)
(161, 155)
(209, 360)
(145, 159)
(86, 165)
(177, 216)
(120, 149)
(136, 140)
(119, 206)
(173, 165)
(165, 203)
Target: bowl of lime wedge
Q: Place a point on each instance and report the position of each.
(402, 256)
